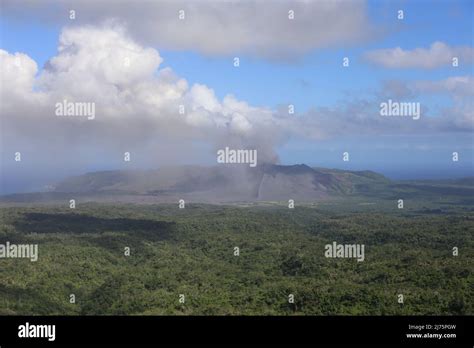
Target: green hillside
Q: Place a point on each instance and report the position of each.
(191, 251)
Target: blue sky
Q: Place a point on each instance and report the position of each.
(317, 79)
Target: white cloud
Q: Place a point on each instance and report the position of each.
(457, 86)
(137, 108)
(255, 27)
(460, 116)
(439, 54)
(202, 96)
(137, 104)
(19, 71)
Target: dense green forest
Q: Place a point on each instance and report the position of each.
(191, 251)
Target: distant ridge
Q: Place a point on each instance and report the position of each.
(226, 183)
(238, 184)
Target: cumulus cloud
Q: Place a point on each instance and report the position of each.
(255, 27)
(138, 105)
(19, 71)
(137, 102)
(437, 55)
